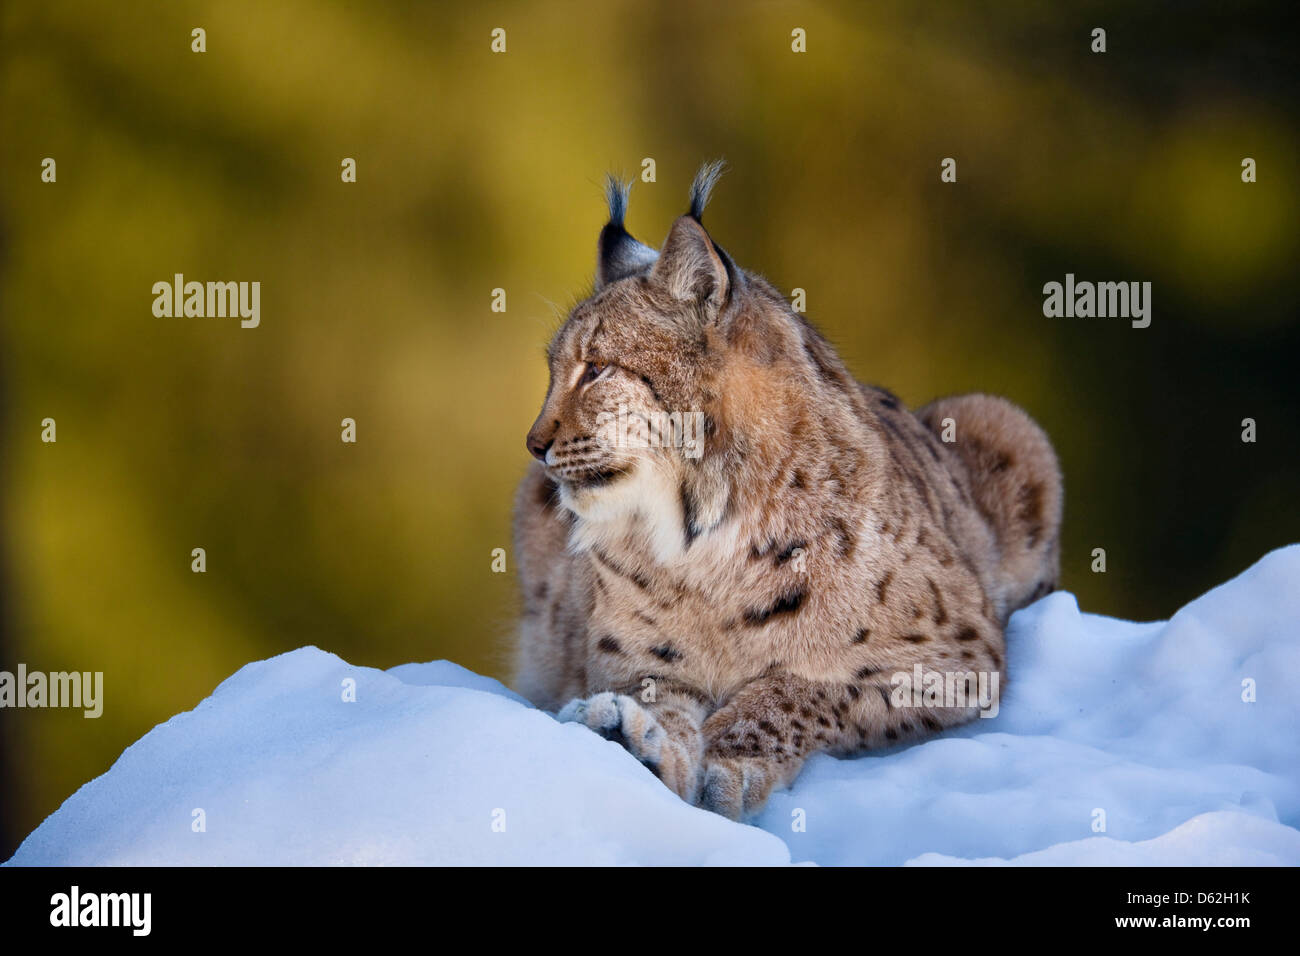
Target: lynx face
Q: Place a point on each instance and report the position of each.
(595, 432)
(570, 437)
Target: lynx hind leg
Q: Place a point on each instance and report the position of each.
(549, 656)
(1016, 482)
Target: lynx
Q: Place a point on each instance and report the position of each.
(723, 612)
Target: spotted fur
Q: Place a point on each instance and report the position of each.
(723, 616)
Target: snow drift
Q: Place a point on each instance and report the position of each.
(1181, 739)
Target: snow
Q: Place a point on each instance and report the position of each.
(1146, 724)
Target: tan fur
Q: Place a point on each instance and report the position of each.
(724, 616)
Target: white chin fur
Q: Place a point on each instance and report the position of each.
(646, 502)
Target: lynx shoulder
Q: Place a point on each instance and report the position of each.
(733, 554)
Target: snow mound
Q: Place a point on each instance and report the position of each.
(1180, 739)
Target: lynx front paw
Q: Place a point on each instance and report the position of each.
(619, 718)
(736, 787)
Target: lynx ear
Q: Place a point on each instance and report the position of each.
(690, 265)
(618, 255)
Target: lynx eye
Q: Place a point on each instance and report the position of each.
(593, 371)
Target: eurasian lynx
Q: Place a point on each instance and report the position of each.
(726, 607)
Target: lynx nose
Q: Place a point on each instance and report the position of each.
(538, 448)
(541, 436)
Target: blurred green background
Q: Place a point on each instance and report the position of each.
(479, 170)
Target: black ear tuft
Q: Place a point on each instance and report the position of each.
(702, 188)
(616, 194)
(618, 255)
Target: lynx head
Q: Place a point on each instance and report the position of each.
(638, 419)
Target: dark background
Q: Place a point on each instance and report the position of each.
(479, 170)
